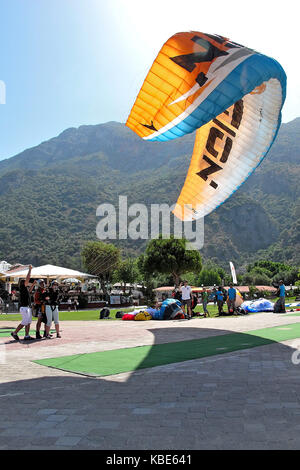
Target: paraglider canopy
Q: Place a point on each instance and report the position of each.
(229, 94)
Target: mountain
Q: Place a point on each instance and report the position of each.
(49, 195)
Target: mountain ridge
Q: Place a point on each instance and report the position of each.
(51, 191)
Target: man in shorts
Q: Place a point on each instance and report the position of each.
(39, 305)
(231, 299)
(204, 297)
(52, 301)
(220, 300)
(25, 307)
(186, 293)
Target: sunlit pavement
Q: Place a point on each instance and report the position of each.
(249, 399)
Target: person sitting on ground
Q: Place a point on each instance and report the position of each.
(25, 307)
(231, 299)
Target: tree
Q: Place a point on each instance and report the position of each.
(127, 272)
(208, 277)
(256, 278)
(101, 259)
(289, 276)
(170, 256)
(269, 268)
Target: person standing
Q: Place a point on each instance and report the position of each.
(25, 307)
(177, 295)
(51, 299)
(186, 292)
(231, 298)
(220, 300)
(281, 291)
(69, 304)
(39, 305)
(214, 293)
(204, 297)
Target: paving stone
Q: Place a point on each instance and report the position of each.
(242, 400)
(42, 442)
(45, 411)
(68, 441)
(57, 418)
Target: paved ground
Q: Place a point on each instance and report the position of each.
(248, 399)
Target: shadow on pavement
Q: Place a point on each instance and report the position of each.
(248, 399)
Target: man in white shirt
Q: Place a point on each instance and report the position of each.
(186, 293)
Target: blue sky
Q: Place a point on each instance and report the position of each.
(71, 62)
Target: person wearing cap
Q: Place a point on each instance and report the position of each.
(25, 307)
(39, 305)
(52, 300)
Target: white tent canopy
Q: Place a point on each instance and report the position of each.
(50, 272)
(72, 280)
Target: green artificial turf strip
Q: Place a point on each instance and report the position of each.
(5, 332)
(125, 360)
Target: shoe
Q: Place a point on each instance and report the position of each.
(38, 336)
(48, 336)
(28, 338)
(15, 336)
(58, 336)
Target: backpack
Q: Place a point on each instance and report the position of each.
(277, 307)
(104, 313)
(179, 316)
(120, 314)
(171, 310)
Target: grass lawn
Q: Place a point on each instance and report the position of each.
(94, 314)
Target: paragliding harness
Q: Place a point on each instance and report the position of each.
(172, 312)
(241, 311)
(104, 313)
(142, 316)
(278, 308)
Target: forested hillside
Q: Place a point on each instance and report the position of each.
(49, 195)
